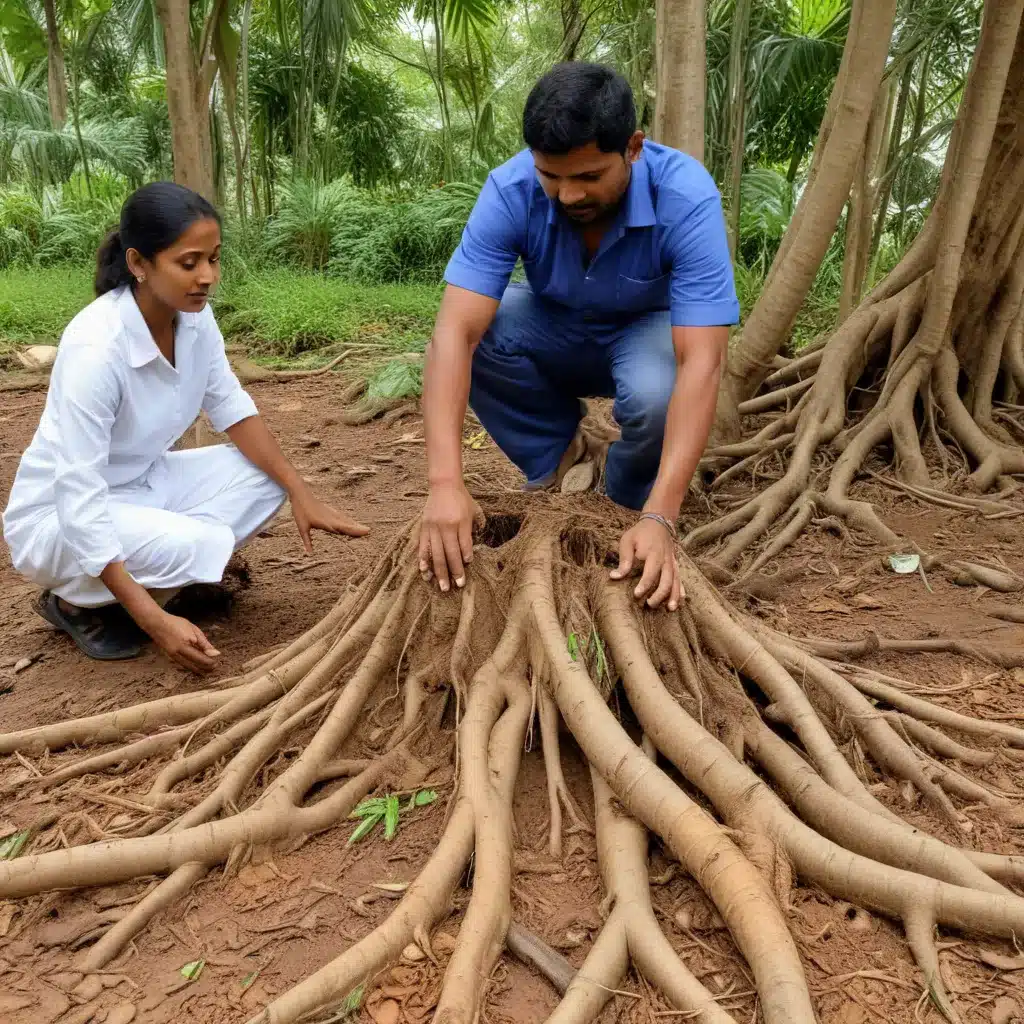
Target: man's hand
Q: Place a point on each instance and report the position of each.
(653, 545)
(182, 641)
(311, 513)
(446, 534)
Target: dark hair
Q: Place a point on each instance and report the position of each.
(577, 103)
(153, 218)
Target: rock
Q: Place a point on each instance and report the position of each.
(579, 479)
(37, 357)
(858, 920)
(443, 942)
(89, 987)
(387, 1012)
(308, 441)
(123, 1013)
(1006, 1009)
(412, 954)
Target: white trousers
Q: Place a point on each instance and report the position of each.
(179, 526)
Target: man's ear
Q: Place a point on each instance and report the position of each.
(634, 147)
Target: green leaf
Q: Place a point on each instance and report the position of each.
(374, 806)
(249, 979)
(574, 647)
(396, 379)
(354, 999)
(191, 971)
(12, 845)
(424, 797)
(391, 817)
(365, 827)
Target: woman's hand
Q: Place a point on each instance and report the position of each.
(311, 513)
(182, 641)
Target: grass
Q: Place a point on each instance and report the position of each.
(279, 314)
(36, 303)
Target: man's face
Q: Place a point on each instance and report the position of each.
(587, 185)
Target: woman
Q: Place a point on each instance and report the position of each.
(103, 515)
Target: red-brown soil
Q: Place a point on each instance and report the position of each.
(290, 911)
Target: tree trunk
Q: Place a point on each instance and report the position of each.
(930, 342)
(816, 216)
(861, 207)
(191, 146)
(56, 82)
(680, 75)
(737, 113)
(892, 155)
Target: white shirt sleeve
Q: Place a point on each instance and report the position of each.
(87, 401)
(226, 402)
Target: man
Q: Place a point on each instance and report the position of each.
(630, 295)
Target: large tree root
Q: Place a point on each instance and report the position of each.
(802, 760)
(917, 368)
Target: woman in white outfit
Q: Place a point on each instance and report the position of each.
(103, 515)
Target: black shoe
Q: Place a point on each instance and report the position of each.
(104, 634)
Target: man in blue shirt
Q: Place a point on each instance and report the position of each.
(630, 293)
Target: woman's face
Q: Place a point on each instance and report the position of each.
(182, 275)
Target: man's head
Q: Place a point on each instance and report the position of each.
(580, 123)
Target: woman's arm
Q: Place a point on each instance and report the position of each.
(182, 641)
(255, 441)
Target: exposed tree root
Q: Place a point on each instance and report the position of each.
(716, 693)
(917, 367)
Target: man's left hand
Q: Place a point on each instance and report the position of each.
(653, 545)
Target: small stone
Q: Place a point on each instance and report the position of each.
(412, 954)
(123, 1013)
(558, 879)
(309, 441)
(387, 1012)
(683, 919)
(23, 663)
(89, 987)
(443, 942)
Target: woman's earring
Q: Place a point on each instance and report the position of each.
(142, 277)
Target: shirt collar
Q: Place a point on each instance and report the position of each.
(639, 209)
(142, 349)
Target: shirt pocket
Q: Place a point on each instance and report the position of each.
(643, 295)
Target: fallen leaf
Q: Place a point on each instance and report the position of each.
(191, 971)
(867, 601)
(1001, 962)
(980, 696)
(904, 564)
(123, 1013)
(826, 606)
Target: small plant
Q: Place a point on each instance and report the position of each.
(387, 809)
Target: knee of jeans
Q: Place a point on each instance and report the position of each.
(644, 404)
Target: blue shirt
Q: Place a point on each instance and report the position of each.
(666, 248)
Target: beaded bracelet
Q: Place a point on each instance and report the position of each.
(659, 518)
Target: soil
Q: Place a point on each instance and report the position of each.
(291, 910)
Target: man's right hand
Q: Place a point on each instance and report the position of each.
(446, 534)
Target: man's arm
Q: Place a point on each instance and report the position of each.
(700, 352)
(446, 540)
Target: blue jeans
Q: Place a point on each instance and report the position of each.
(538, 360)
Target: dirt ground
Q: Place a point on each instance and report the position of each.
(290, 911)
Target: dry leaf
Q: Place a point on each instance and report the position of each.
(867, 601)
(827, 606)
(980, 696)
(1001, 962)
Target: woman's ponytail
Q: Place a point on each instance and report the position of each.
(111, 265)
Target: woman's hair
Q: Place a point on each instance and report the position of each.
(153, 218)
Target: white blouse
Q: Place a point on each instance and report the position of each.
(116, 405)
